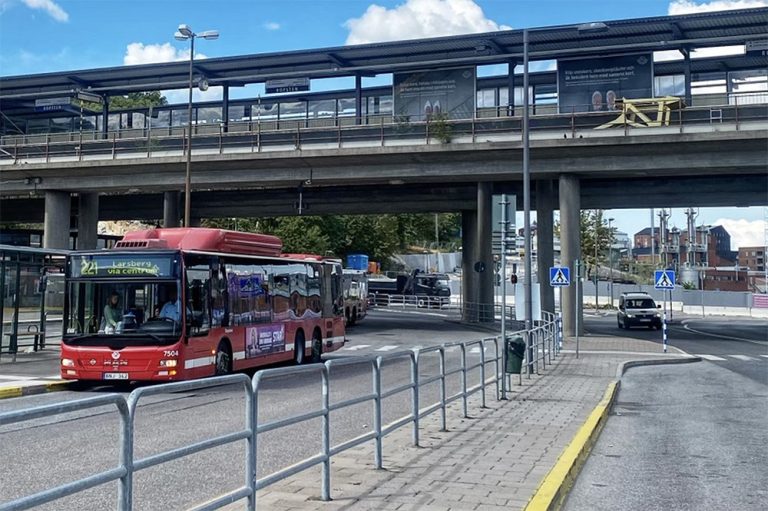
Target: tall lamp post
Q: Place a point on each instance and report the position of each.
(527, 281)
(185, 33)
(610, 256)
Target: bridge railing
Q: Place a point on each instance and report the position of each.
(273, 136)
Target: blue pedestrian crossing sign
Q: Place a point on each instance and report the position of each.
(559, 276)
(664, 279)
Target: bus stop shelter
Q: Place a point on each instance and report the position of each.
(32, 283)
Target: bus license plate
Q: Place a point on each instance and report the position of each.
(115, 376)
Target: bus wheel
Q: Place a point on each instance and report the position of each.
(317, 348)
(223, 359)
(299, 355)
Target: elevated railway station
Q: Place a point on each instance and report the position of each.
(629, 113)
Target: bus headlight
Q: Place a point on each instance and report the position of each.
(168, 363)
(67, 362)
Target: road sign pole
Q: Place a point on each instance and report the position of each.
(664, 328)
(577, 279)
(503, 273)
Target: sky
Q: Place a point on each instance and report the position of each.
(39, 36)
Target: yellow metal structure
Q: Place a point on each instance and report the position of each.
(639, 113)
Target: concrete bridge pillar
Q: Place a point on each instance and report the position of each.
(171, 209)
(545, 205)
(570, 250)
(87, 221)
(56, 220)
(468, 275)
(484, 252)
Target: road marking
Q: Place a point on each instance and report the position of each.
(745, 358)
(358, 347)
(730, 338)
(389, 347)
(710, 357)
(765, 356)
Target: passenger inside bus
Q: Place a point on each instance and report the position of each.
(113, 314)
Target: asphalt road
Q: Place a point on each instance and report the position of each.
(738, 345)
(42, 453)
(687, 437)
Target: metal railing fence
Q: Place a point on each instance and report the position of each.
(544, 336)
(292, 135)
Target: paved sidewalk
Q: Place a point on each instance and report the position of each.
(492, 461)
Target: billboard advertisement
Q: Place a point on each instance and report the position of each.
(264, 339)
(445, 92)
(594, 85)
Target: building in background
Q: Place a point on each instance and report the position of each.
(752, 258)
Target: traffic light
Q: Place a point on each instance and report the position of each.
(513, 278)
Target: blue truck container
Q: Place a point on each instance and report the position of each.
(357, 262)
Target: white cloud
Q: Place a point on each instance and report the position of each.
(416, 19)
(140, 53)
(744, 233)
(49, 6)
(272, 25)
(688, 6)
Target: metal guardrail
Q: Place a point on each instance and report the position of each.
(289, 135)
(543, 335)
(420, 301)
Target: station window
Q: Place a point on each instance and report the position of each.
(322, 108)
(486, 98)
(749, 87)
(293, 110)
(669, 85)
(162, 119)
(209, 115)
(347, 107)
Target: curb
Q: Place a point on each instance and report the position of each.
(554, 488)
(629, 364)
(30, 390)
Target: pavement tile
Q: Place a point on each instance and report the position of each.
(492, 461)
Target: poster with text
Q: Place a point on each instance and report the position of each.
(264, 339)
(594, 85)
(447, 93)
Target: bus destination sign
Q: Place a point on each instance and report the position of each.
(99, 266)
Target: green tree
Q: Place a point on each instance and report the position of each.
(137, 99)
(593, 231)
(127, 101)
(378, 236)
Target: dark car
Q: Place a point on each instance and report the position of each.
(638, 309)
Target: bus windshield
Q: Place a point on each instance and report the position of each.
(118, 308)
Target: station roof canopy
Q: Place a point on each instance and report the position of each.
(642, 34)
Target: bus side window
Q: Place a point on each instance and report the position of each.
(220, 299)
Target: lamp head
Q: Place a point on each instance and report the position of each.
(209, 34)
(592, 27)
(185, 30)
(180, 37)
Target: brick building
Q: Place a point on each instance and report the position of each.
(712, 247)
(752, 258)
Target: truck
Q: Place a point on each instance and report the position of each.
(355, 290)
(427, 289)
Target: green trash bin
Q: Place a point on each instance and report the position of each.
(515, 349)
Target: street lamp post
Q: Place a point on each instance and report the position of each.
(610, 257)
(185, 33)
(585, 28)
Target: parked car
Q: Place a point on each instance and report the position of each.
(638, 309)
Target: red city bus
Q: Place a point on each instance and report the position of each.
(175, 304)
